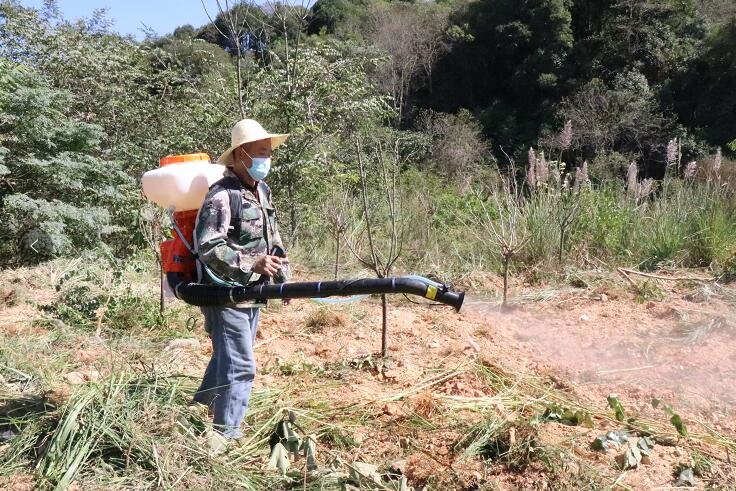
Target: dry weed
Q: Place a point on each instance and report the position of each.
(322, 318)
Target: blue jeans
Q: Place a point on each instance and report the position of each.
(228, 379)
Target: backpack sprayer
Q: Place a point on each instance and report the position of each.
(180, 185)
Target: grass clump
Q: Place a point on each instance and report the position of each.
(504, 442)
(115, 298)
(648, 291)
(727, 270)
(84, 306)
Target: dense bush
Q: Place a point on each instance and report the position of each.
(59, 196)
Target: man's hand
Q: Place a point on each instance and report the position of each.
(266, 265)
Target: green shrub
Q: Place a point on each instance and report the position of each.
(85, 305)
(76, 306)
(59, 197)
(607, 166)
(663, 239)
(99, 295)
(133, 311)
(607, 223)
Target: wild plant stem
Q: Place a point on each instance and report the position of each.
(506, 261)
(384, 330)
(337, 253)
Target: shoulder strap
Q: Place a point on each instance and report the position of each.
(264, 197)
(233, 187)
(236, 211)
(265, 190)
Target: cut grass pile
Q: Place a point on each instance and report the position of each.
(133, 427)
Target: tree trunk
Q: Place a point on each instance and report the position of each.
(292, 208)
(240, 80)
(384, 330)
(337, 254)
(506, 261)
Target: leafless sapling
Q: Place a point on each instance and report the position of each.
(502, 217)
(382, 222)
(338, 213)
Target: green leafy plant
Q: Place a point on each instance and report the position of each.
(59, 198)
(675, 418)
(566, 416)
(648, 290)
(618, 408)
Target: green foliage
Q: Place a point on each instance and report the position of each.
(689, 224)
(515, 69)
(648, 290)
(341, 17)
(59, 196)
(540, 226)
(618, 408)
(623, 116)
(320, 97)
(608, 222)
(127, 89)
(714, 232)
(97, 295)
(567, 416)
(667, 35)
(511, 66)
(727, 270)
(609, 166)
(702, 94)
(83, 108)
(76, 306)
(456, 148)
(675, 418)
(195, 59)
(701, 463)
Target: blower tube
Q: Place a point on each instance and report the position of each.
(214, 295)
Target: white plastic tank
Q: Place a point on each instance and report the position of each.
(182, 181)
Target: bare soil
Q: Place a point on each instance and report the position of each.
(588, 344)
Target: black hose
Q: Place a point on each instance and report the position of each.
(213, 295)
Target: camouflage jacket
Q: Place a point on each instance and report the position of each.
(229, 257)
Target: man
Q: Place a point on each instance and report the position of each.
(237, 250)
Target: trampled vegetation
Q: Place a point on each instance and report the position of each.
(533, 141)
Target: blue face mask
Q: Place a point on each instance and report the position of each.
(259, 168)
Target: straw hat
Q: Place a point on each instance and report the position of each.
(249, 130)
